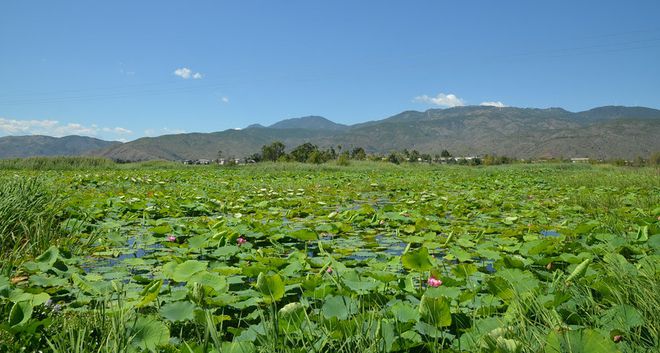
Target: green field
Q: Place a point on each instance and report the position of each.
(298, 258)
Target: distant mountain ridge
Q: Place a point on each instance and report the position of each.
(39, 145)
(603, 132)
(308, 123)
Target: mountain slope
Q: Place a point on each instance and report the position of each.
(37, 145)
(517, 132)
(605, 132)
(308, 123)
(232, 143)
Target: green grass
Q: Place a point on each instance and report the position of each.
(56, 163)
(28, 220)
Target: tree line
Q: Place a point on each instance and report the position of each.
(306, 153)
(311, 153)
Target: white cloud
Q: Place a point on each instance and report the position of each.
(443, 100)
(117, 130)
(224, 99)
(163, 131)
(54, 128)
(13, 127)
(493, 104)
(185, 73)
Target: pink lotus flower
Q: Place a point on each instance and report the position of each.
(329, 270)
(617, 338)
(240, 241)
(171, 238)
(433, 282)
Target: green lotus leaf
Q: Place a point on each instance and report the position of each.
(435, 310)
(149, 333)
(582, 341)
(210, 279)
(340, 307)
(150, 293)
(271, 286)
(291, 317)
(622, 317)
(183, 272)
(404, 311)
(20, 313)
(178, 311)
(417, 260)
(357, 283)
(238, 347)
(49, 256)
(161, 230)
(304, 234)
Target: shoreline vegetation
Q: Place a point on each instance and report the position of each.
(302, 257)
(307, 153)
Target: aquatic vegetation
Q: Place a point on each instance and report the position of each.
(366, 257)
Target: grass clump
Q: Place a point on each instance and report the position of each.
(28, 222)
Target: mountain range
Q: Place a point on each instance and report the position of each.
(39, 145)
(604, 132)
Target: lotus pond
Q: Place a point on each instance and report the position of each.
(368, 258)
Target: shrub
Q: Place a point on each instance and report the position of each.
(343, 159)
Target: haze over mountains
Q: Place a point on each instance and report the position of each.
(604, 132)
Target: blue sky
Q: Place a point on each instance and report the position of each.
(127, 69)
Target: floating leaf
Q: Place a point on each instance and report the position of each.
(304, 234)
(161, 229)
(183, 271)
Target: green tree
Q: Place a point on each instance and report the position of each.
(395, 158)
(343, 159)
(315, 157)
(445, 154)
(639, 162)
(414, 156)
(654, 160)
(358, 153)
(273, 151)
(303, 152)
(255, 157)
(427, 158)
